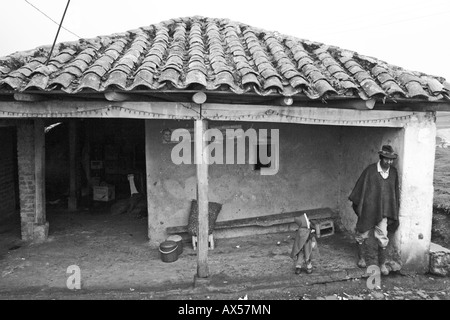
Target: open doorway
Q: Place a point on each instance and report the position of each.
(9, 190)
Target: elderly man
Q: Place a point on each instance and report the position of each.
(375, 200)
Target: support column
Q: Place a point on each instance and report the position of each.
(31, 170)
(73, 199)
(416, 165)
(202, 197)
(154, 227)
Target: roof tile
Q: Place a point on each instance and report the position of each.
(217, 54)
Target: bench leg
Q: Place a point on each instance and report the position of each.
(211, 241)
(194, 242)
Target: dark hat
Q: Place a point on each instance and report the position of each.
(387, 152)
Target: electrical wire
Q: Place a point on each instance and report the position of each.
(51, 19)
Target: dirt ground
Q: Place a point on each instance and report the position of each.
(116, 262)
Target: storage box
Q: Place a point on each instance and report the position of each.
(324, 228)
(104, 193)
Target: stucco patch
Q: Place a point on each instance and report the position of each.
(224, 188)
(190, 188)
(174, 188)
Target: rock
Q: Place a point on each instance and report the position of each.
(333, 297)
(393, 266)
(422, 294)
(377, 295)
(439, 260)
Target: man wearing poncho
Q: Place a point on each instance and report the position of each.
(375, 200)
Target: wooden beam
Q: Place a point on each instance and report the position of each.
(199, 98)
(202, 197)
(26, 97)
(332, 113)
(39, 173)
(73, 200)
(285, 101)
(98, 109)
(308, 115)
(117, 96)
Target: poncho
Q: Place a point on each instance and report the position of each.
(375, 198)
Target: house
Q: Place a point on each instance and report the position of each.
(331, 109)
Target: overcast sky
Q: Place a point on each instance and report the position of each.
(413, 34)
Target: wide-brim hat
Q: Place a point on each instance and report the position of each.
(388, 152)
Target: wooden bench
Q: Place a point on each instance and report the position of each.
(264, 221)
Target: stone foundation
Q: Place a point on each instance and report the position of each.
(439, 260)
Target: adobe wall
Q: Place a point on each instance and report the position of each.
(307, 177)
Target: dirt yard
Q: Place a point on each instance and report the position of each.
(116, 261)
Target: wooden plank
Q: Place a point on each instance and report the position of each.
(264, 221)
(202, 197)
(98, 109)
(308, 114)
(28, 97)
(39, 165)
(117, 96)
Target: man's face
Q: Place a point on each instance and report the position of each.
(167, 136)
(386, 163)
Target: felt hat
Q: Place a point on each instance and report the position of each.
(387, 152)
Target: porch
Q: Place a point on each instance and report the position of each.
(113, 252)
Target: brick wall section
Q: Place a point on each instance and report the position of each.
(7, 173)
(27, 191)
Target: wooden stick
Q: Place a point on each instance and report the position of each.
(202, 192)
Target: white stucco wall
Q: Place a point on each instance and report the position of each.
(413, 237)
(415, 144)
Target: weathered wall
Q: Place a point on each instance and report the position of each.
(413, 237)
(307, 177)
(360, 146)
(8, 175)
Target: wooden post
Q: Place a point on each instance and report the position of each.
(202, 197)
(72, 205)
(39, 173)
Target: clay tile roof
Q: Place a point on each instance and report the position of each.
(213, 54)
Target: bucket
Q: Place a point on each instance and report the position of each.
(168, 250)
(179, 242)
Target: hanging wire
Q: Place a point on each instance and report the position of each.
(51, 19)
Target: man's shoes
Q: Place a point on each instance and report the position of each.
(298, 270)
(361, 262)
(382, 261)
(384, 270)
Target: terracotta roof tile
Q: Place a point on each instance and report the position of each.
(217, 54)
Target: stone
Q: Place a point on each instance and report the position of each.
(201, 283)
(377, 295)
(393, 266)
(439, 260)
(40, 232)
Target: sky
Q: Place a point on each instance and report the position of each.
(413, 34)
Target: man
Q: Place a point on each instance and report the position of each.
(304, 244)
(375, 200)
(166, 135)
